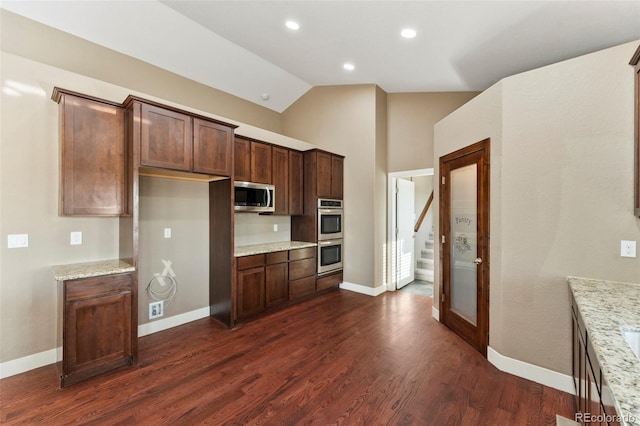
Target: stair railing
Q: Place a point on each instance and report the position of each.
(424, 213)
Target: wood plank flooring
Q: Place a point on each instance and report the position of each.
(342, 358)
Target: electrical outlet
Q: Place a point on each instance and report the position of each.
(275, 227)
(627, 248)
(156, 309)
(167, 232)
(76, 238)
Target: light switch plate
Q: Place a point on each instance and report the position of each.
(75, 238)
(275, 227)
(167, 232)
(17, 240)
(627, 248)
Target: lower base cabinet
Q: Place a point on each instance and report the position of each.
(99, 325)
(265, 282)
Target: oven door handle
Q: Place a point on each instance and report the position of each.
(329, 242)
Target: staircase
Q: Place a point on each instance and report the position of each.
(424, 263)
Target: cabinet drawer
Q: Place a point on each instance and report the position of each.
(246, 262)
(302, 287)
(329, 281)
(85, 288)
(303, 253)
(302, 268)
(277, 257)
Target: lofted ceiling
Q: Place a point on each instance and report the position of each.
(244, 48)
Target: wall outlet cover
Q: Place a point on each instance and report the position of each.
(627, 248)
(17, 240)
(156, 309)
(75, 238)
(167, 232)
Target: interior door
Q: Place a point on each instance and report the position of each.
(405, 215)
(464, 238)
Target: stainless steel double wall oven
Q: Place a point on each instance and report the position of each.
(330, 233)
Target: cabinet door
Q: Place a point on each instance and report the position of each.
(296, 183)
(251, 291)
(323, 170)
(93, 164)
(260, 163)
(281, 179)
(337, 173)
(212, 148)
(166, 139)
(242, 160)
(97, 332)
(277, 283)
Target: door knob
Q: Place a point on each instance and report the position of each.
(477, 261)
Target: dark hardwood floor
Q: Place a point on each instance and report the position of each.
(342, 358)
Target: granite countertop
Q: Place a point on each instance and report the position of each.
(91, 269)
(606, 306)
(270, 247)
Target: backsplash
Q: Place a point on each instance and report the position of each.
(252, 228)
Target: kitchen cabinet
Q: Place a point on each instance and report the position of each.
(593, 397)
(302, 273)
(329, 169)
(171, 139)
(93, 163)
(277, 278)
(296, 183)
(250, 280)
(99, 325)
(328, 281)
(635, 62)
(252, 161)
(212, 148)
(281, 180)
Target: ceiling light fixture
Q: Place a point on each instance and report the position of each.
(265, 96)
(408, 33)
(349, 67)
(292, 25)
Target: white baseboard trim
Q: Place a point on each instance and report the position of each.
(170, 322)
(51, 356)
(29, 362)
(435, 313)
(541, 375)
(363, 289)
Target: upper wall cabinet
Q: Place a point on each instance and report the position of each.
(296, 183)
(635, 61)
(329, 170)
(177, 140)
(93, 162)
(280, 171)
(252, 161)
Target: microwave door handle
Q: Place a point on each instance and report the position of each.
(268, 197)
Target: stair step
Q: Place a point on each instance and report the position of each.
(425, 264)
(423, 275)
(426, 253)
(428, 244)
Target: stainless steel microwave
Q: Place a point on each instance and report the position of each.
(254, 197)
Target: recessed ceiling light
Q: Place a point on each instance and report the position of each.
(349, 67)
(408, 33)
(292, 25)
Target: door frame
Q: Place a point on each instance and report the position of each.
(390, 274)
(483, 246)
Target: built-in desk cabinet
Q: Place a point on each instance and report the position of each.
(93, 156)
(99, 325)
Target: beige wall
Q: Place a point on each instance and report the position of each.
(380, 190)
(411, 117)
(182, 206)
(254, 228)
(342, 119)
(561, 195)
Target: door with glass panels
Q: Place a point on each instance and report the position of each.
(464, 243)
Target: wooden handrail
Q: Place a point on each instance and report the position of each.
(424, 213)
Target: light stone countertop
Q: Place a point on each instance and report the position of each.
(605, 307)
(270, 247)
(91, 269)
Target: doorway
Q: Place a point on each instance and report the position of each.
(464, 233)
(410, 252)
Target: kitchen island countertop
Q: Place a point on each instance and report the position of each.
(605, 307)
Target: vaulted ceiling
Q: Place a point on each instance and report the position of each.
(244, 47)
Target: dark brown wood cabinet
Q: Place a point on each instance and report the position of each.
(329, 171)
(296, 183)
(166, 139)
(99, 326)
(261, 163)
(302, 273)
(212, 148)
(337, 177)
(280, 169)
(93, 156)
(635, 62)
(277, 278)
(328, 281)
(250, 279)
(242, 160)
